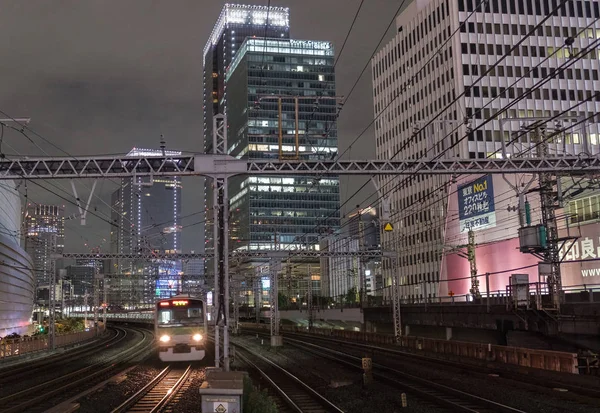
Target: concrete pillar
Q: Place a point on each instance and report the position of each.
(407, 329)
(448, 333)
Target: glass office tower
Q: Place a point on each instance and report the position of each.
(263, 83)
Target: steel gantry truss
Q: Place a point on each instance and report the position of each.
(225, 165)
(239, 255)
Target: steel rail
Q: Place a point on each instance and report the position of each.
(142, 392)
(11, 373)
(298, 382)
(522, 379)
(38, 395)
(455, 399)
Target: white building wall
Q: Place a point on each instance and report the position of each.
(10, 211)
(416, 77)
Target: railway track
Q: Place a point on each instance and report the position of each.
(292, 394)
(37, 397)
(12, 373)
(157, 395)
(573, 392)
(440, 394)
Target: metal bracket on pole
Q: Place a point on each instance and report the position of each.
(83, 210)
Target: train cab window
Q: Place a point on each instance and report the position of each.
(184, 315)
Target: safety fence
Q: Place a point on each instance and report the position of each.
(23, 345)
(515, 356)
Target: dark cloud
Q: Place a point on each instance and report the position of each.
(101, 76)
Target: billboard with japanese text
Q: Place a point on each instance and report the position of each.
(581, 255)
(476, 208)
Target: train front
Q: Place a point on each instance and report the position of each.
(180, 329)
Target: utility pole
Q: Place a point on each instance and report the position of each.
(274, 268)
(396, 300)
(52, 294)
(311, 313)
(257, 295)
(473, 265)
(97, 278)
(221, 244)
(361, 247)
(105, 302)
(548, 207)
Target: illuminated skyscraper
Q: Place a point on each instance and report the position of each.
(44, 235)
(145, 218)
(250, 59)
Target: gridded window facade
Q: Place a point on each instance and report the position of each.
(456, 68)
(263, 80)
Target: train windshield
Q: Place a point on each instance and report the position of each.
(182, 315)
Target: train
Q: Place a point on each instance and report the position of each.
(180, 328)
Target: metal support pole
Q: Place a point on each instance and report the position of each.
(220, 244)
(487, 290)
(97, 277)
(257, 295)
(275, 267)
(52, 297)
(548, 206)
(311, 313)
(396, 301)
(216, 271)
(473, 265)
(225, 276)
(236, 307)
(105, 302)
(85, 306)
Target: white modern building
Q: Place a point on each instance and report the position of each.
(440, 87)
(340, 274)
(17, 275)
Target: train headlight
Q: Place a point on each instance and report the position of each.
(197, 337)
(165, 338)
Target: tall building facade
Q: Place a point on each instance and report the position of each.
(235, 23)
(44, 235)
(145, 219)
(243, 72)
(364, 226)
(339, 275)
(282, 212)
(432, 86)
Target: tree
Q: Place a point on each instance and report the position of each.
(282, 300)
(351, 296)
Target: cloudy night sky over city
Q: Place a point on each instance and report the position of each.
(101, 77)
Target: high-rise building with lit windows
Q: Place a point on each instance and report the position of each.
(444, 74)
(279, 211)
(44, 236)
(253, 72)
(235, 23)
(145, 219)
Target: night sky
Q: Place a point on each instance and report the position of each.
(100, 77)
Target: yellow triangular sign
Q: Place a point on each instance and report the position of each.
(388, 227)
